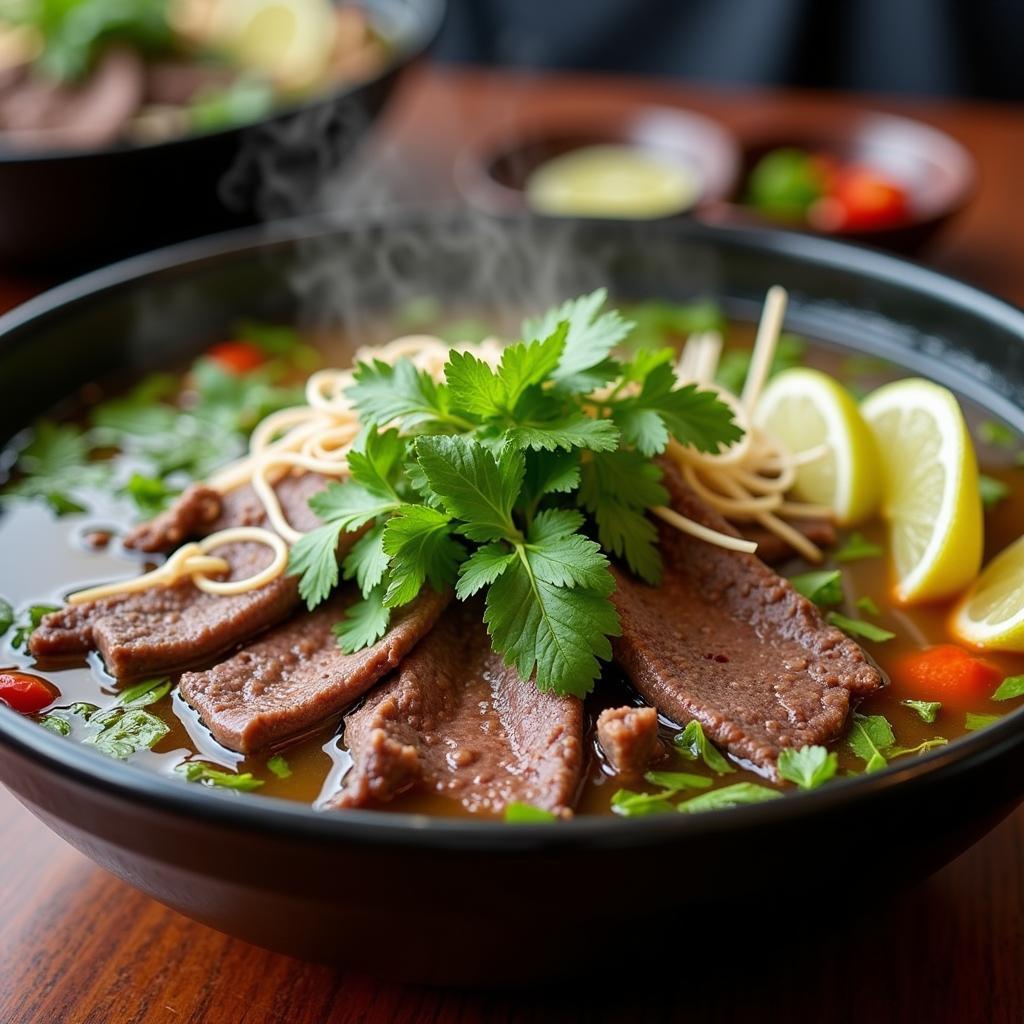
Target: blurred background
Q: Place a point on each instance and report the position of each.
(937, 47)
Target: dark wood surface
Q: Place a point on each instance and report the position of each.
(79, 947)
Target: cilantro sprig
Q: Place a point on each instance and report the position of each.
(515, 483)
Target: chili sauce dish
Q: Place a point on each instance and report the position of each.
(689, 563)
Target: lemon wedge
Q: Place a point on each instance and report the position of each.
(289, 41)
(991, 613)
(805, 409)
(931, 498)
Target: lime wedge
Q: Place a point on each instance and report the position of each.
(805, 409)
(931, 498)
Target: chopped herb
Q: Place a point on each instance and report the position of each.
(857, 547)
(631, 804)
(675, 781)
(149, 691)
(84, 708)
(728, 796)
(694, 745)
(927, 710)
(1010, 687)
(869, 737)
(808, 767)
(56, 724)
(196, 771)
(127, 732)
(868, 606)
(997, 434)
(859, 628)
(824, 587)
(6, 615)
(974, 721)
(150, 494)
(526, 814)
(279, 766)
(659, 324)
(992, 490)
(24, 630)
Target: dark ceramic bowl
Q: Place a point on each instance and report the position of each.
(493, 170)
(937, 173)
(482, 902)
(75, 209)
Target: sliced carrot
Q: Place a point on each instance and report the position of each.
(944, 673)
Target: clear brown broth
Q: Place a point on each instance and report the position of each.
(46, 557)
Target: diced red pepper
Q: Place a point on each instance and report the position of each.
(945, 673)
(25, 693)
(238, 357)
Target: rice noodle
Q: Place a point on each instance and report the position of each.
(194, 560)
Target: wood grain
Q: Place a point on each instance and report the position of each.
(79, 947)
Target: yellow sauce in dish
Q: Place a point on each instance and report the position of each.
(612, 181)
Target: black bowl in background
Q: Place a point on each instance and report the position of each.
(480, 902)
(70, 210)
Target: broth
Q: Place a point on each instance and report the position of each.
(46, 557)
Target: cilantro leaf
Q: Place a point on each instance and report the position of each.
(974, 721)
(55, 723)
(524, 365)
(870, 736)
(314, 559)
(349, 506)
(365, 622)
(473, 486)
(808, 767)
(383, 393)
(675, 781)
(590, 336)
(694, 745)
(921, 748)
(617, 488)
(556, 631)
(24, 629)
(1010, 687)
(549, 473)
(631, 804)
(150, 494)
(526, 814)
(728, 796)
(574, 430)
(558, 555)
(127, 733)
(367, 561)
(419, 541)
(149, 691)
(278, 764)
(868, 606)
(927, 710)
(691, 415)
(824, 587)
(859, 628)
(857, 547)
(482, 568)
(196, 771)
(374, 461)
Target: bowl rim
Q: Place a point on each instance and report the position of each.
(276, 815)
(417, 41)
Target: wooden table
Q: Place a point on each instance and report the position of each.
(79, 947)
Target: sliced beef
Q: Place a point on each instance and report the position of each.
(772, 549)
(172, 627)
(297, 676)
(629, 739)
(168, 627)
(201, 510)
(458, 722)
(728, 642)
